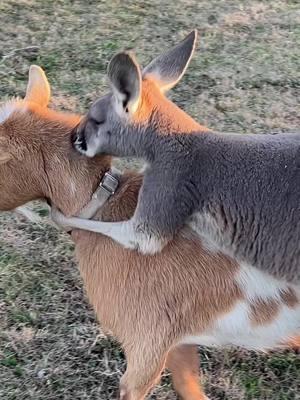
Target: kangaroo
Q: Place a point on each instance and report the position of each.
(240, 193)
(159, 307)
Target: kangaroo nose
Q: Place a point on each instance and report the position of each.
(78, 140)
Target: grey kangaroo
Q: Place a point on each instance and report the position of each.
(239, 192)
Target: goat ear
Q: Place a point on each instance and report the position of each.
(125, 77)
(4, 154)
(168, 68)
(38, 88)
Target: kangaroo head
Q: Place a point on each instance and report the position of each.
(137, 100)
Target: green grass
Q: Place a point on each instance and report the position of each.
(245, 76)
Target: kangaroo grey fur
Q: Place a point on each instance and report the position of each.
(239, 192)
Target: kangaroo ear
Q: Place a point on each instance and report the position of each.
(38, 88)
(168, 68)
(125, 77)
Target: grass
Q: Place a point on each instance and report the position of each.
(245, 76)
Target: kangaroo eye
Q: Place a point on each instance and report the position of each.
(97, 122)
(101, 122)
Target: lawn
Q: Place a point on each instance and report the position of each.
(245, 76)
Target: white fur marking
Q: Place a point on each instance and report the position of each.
(8, 109)
(235, 328)
(257, 284)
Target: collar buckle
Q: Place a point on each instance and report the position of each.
(109, 184)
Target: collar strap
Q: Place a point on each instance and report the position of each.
(106, 188)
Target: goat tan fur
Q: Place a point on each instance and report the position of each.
(158, 307)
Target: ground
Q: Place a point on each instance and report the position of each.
(245, 76)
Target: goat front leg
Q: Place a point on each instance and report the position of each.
(183, 363)
(127, 233)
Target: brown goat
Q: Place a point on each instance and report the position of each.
(158, 307)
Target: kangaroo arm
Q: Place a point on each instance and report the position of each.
(123, 232)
